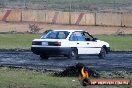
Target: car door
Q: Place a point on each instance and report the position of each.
(93, 47)
(78, 40)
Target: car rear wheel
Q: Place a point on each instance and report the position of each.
(73, 54)
(44, 57)
(102, 54)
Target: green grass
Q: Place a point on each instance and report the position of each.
(12, 78)
(23, 41)
(21, 78)
(118, 43)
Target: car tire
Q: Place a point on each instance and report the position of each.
(102, 54)
(73, 54)
(44, 57)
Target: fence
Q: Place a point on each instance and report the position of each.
(60, 17)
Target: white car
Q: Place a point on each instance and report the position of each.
(69, 43)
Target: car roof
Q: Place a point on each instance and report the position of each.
(68, 30)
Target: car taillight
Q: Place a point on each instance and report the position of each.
(57, 43)
(33, 42)
(36, 43)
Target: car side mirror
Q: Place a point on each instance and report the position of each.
(94, 39)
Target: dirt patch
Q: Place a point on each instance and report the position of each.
(24, 27)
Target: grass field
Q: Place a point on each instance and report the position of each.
(21, 78)
(23, 41)
(118, 43)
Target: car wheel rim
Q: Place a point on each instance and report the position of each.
(73, 54)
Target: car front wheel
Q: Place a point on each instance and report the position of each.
(102, 53)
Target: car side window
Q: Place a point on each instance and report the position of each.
(87, 36)
(52, 35)
(77, 36)
(73, 38)
(56, 35)
(61, 35)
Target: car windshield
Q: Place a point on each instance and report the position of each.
(56, 35)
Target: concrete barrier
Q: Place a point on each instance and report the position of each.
(34, 15)
(28, 15)
(78, 18)
(108, 19)
(10, 15)
(40, 16)
(63, 18)
(127, 19)
(51, 16)
(59, 17)
(2, 13)
(15, 15)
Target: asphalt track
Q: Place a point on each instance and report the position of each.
(114, 61)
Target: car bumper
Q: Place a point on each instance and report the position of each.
(53, 51)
